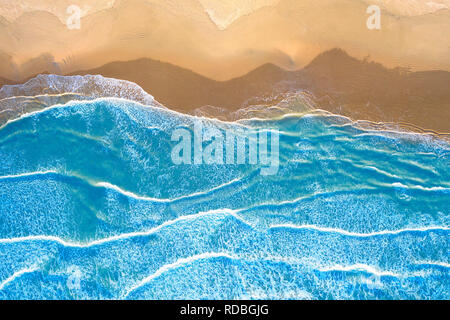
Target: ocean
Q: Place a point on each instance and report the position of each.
(93, 207)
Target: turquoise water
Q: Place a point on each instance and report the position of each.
(92, 207)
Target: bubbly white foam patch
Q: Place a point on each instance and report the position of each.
(50, 88)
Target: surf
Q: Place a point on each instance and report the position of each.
(91, 183)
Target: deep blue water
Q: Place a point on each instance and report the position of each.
(92, 206)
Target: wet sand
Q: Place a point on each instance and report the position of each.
(340, 83)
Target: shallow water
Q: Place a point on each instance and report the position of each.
(92, 206)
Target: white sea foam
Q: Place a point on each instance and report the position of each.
(192, 195)
(179, 263)
(211, 255)
(419, 187)
(356, 234)
(27, 174)
(228, 212)
(123, 236)
(94, 86)
(48, 90)
(359, 267)
(17, 275)
(120, 103)
(68, 105)
(126, 193)
(379, 171)
(316, 194)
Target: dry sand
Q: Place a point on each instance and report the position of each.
(221, 41)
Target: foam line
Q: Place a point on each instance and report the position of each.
(121, 236)
(338, 192)
(28, 174)
(373, 168)
(315, 112)
(116, 103)
(359, 267)
(212, 212)
(5, 110)
(179, 263)
(17, 275)
(45, 96)
(356, 234)
(211, 255)
(418, 187)
(75, 103)
(137, 197)
(126, 193)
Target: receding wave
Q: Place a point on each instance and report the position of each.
(47, 90)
